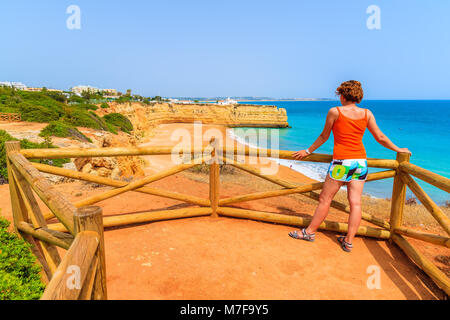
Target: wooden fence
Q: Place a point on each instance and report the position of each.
(10, 117)
(80, 227)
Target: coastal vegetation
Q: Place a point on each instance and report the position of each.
(120, 121)
(63, 130)
(68, 110)
(24, 144)
(19, 272)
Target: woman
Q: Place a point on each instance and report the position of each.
(349, 165)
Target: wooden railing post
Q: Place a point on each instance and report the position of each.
(18, 207)
(20, 212)
(214, 180)
(91, 219)
(398, 195)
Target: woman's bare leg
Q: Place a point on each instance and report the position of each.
(329, 190)
(354, 192)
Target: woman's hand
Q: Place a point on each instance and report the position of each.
(405, 150)
(299, 154)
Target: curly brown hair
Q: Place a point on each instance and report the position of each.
(351, 91)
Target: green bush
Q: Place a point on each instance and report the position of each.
(4, 136)
(112, 128)
(75, 111)
(63, 130)
(123, 99)
(76, 99)
(80, 118)
(24, 144)
(120, 121)
(35, 113)
(19, 273)
(85, 106)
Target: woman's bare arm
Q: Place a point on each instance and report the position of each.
(380, 137)
(331, 117)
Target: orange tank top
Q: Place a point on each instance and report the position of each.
(348, 134)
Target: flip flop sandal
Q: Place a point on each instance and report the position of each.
(347, 247)
(305, 236)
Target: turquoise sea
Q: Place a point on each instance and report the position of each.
(422, 126)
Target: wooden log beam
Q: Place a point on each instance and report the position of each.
(49, 251)
(150, 216)
(60, 239)
(301, 189)
(427, 237)
(20, 212)
(257, 172)
(136, 151)
(269, 194)
(432, 178)
(313, 195)
(423, 263)
(214, 181)
(106, 152)
(137, 184)
(88, 289)
(118, 184)
(57, 203)
(432, 207)
(91, 219)
(398, 195)
(77, 259)
(301, 222)
(287, 154)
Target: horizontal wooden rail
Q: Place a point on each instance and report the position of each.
(299, 221)
(106, 152)
(423, 263)
(56, 202)
(117, 183)
(164, 150)
(57, 238)
(427, 237)
(287, 154)
(141, 217)
(302, 189)
(78, 258)
(432, 178)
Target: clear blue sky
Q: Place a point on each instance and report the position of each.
(230, 48)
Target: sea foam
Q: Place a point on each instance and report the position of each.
(316, 171)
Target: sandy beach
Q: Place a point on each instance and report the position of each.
(164, 136)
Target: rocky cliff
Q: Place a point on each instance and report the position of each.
(145, 117)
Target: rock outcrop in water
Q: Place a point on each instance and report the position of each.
(145, 117)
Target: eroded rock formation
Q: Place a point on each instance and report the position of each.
(111, 167)
(145, 117)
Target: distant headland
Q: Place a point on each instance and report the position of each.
(248, 99)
